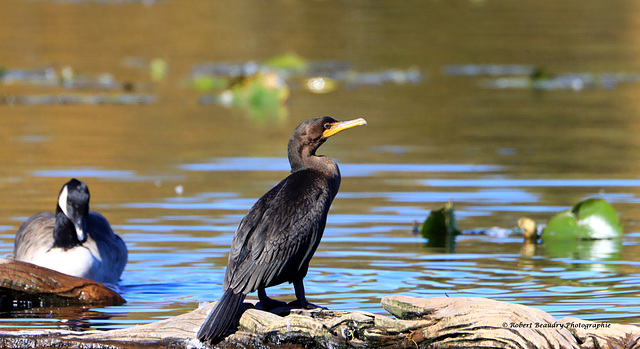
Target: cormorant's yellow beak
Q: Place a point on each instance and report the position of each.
(342, 125)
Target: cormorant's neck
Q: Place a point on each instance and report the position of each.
(64, 233)
(304, 160)
(302, 156)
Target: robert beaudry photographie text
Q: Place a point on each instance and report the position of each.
(584, 326)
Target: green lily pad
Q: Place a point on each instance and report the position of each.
(289, 62)
(205, 83)
(587, 220)
(158, 68)
(263, 95)
(440, 227)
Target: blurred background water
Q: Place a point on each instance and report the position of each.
(509, 109)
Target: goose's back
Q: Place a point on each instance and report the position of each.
(34, 237)
(107, 247)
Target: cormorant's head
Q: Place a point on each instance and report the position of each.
(311, 134)
(73, 202)
(332, 126)
(314, 132)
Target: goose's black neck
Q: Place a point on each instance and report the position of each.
(64, 232)
(72, 213)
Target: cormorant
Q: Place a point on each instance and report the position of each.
(277, 238)
(74, 241)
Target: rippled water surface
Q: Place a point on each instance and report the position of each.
(174, 175)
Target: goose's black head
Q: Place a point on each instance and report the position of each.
(71, 215)
(310, 135)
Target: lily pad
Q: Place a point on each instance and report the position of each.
(262, 95)
(587, 220)
(288, 62)
(158, 68)
(440, 227)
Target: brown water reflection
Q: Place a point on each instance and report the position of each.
(133, 156)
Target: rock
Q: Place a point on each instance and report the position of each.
(24, 285)
(481, 323)
(602, 335)
(425, 323)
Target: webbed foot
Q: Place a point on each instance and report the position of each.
(269, 303)
(305, 305)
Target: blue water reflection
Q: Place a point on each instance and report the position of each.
(366, 255)
(524, 183)
(347, 170)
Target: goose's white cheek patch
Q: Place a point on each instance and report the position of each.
(62, 200)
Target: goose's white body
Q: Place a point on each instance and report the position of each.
(102, 257)
(78, 261)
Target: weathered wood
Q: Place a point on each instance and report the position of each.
(482, 323)
(24, 284)
(427, 323)
(602, 335)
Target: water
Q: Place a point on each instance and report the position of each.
(174, 176)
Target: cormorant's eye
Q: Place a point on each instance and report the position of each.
(327, 126)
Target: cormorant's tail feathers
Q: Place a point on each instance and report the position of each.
(221, 317)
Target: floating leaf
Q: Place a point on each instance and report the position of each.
(205, 83)
(440, 227)
(158, 68)
(262, 95)
(588, 219)
(289, 61)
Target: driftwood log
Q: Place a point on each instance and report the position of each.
(26, 285)
(421, 323)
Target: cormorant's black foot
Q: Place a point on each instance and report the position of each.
(305, 305)
(268, 303)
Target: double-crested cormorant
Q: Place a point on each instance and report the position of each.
(74, 241)
(277, 238)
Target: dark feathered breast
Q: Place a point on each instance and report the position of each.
(277, 238)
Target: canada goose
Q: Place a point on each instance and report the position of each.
(74, 241)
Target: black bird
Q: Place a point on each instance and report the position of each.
(74, 241)
(277, 238)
